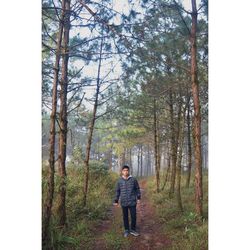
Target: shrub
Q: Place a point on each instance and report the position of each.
(81, 220)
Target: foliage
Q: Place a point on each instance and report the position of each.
(185, 229)
(81, 221)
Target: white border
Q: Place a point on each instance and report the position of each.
(20, 103)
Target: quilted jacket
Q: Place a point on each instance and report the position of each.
(128, 191)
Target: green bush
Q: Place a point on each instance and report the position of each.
(98, 169)
(81, 220)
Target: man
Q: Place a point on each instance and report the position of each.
(127, 188)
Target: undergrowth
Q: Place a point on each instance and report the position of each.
(185, 229)
(81, 220)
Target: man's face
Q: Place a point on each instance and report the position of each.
(125, 172)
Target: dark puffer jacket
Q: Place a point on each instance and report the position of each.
(128, 190)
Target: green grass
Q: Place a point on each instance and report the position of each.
(81, 222)
(115, 241)
(185, 229)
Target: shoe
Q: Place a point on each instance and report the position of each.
(126, 233)
(133, 232)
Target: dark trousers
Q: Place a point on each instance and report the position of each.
(133, 217)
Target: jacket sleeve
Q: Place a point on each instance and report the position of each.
(137, 190)
(117, 192)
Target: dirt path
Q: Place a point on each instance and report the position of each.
(109, 234)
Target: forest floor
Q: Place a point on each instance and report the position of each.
(109, 233)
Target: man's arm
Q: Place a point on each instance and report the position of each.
(117, 193)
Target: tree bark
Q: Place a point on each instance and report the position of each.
(189, 147)
(173, 148)
(197, 115)
(168, 167)
(124, 156)
(63, 119)
(141, 161)
(130, 161)
(138, 162)
(91, 129)
(51, 185)
(179, 160)
(159, 151)
(156, 147)
(120, 162)
(148, 162)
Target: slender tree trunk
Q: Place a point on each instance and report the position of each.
(120, 162)
(169, 159)
(166, 177)
(91, 130)
(178, 188)
(138, 162)
(63, 119)
(173, 148)
(197, 115)
(51, 186)
(156, 146)
(189, 147)
(159, 151)
(179, 160)
(168, 166)
(148, 163)
(141, 159)
(124, 156)
(130, 161)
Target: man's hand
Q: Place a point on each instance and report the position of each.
(138, 202)
(115, 204)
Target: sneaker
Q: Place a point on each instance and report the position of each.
(133, 232)
(126, 233)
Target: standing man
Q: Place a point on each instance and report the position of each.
(127, 188)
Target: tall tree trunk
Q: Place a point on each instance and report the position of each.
(159, 151)
(173, 147)
(51, 186)
(166, 177)
(124, 156)
(148, 162)
(189, 147)
(91, 130)
(138, 162)
(130, 161)
(119, 162)
(141, 159)
(156, 147)
(168, 166)
(178, 188)
(63, 119)
(179, 160)
(197, 115)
